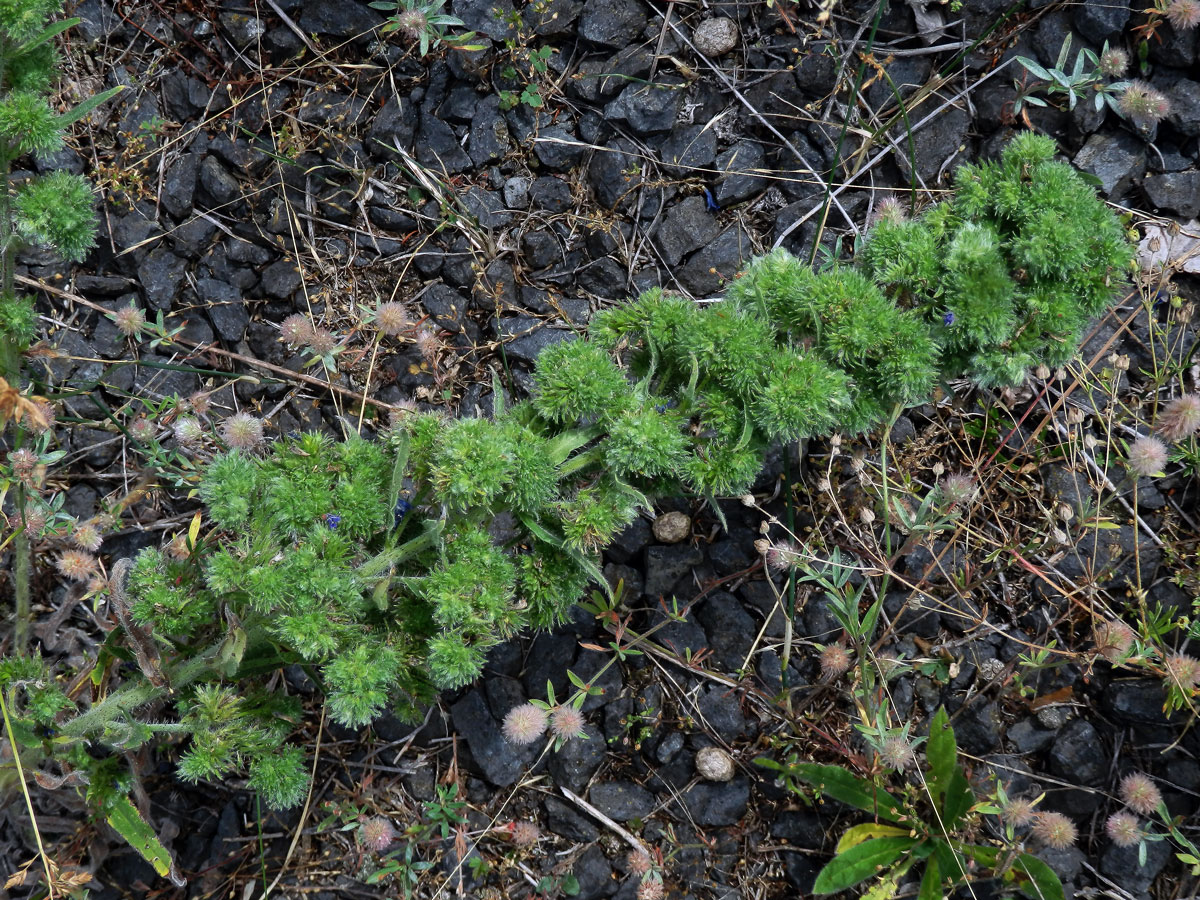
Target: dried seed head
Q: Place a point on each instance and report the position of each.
(1142, 104)
(199, 403)
(834, 659)
(956, 489)
(867, 515)
(130, 320)
(35, 519)
(77, 565)
(897, 754)
(525, 834)
(391, 318)
(1113, 62)
(781, 557)
(321, 341)
(242, 431)
(188, 430)
(1054, 830)
(1017, 812)
(1124, 829)
(411, 23)
(295, 330)
(86, 536)
(428, 344)
(1114, 639)
(1183, 14)
(1147, 456)
(650, 889)
(24, 464)
(566, 722)
(1140, 793)
(1183, 671)
(524, 724)
(890, 209)
(1180, 418)
(378, 833)
(638, 862)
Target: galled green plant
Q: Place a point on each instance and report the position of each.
(389, 568)
(931, 824)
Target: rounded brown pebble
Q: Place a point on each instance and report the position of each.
(714, 764)
(672, 527)
(716, 37)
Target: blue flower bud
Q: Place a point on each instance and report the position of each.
(332, 520)
(400, 510)
(948, 318)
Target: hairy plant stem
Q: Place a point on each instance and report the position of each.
(125, 700)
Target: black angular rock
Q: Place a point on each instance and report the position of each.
(689, 148)
(489, 139)
(614, 173)
(933, 147)
(622, 800)
(281, 279)
(714, 265)
(742, 164)
(501, 761)
(1116, 158)
(687, 226)
(558, 148)
(339, 18)
(612, 23)
(1177, 192)
(437, 147)
(550, 194)
(161, 276)
(446, 306)
(647, 108)
(1078, 754)
(718, 804)
(1101, 20)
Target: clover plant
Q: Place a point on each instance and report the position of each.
(388, 568)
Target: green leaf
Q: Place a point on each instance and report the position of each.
(850, 789)
(942, 754)
(1038, 879)
(129, 824)
(49, 34)
(1034, 68)
(959, 798)
(864, 832)
(89, 104)
(861, 862)
(931, 881)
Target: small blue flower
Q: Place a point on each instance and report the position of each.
(332, 520)
(663, 407)
(948, 318)
(400, 510)
(710, 201)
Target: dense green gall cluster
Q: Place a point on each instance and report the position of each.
(387, 569)
(1015, 265)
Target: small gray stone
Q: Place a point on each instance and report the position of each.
(672, 527)
(218, 182)
(243, 30)
(716, 36)
(516, 192)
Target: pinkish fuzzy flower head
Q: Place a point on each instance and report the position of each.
(1180, 418)
(378, 833)
(1124, 829)
(897, 754)
(130, 320)
(24, 464)
(1183, 14)
(781, 557)
(958, 489)
(199, 403)
(1017, 813)
(188, 430)
(77, 565)
(1142, 104)
(86, 536)
(1114, 639)
(638, 862)
(1147, 457)
(566, 722)
(891, 210)
(411, 23)
(142, 429)
(242, 431)
(1054, 830)
(1139, 793)
(1114, 62)
(295, 330)
(524, 724)
(835, 660)
(525, 834)
(391, 318)
(35, 519)
(321, 341)
(1183, 671)
(651, 889)
(428, 343)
